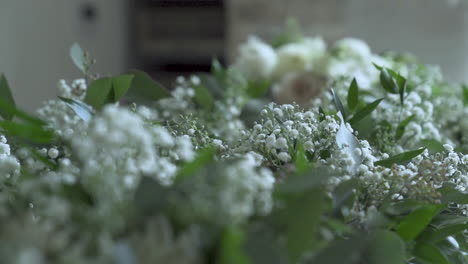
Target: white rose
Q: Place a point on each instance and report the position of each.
(351, 47)
(256, 59)
(300, 56)
(298, 87)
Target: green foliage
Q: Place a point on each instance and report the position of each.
(108, 90)
(292, 33)
(231, 248)
(365, 111)
(98, 92)
(387, 81)
(301, 162)
(28, 128)
(413, 224)
(7, 97)
(400, 158)
(338, 104)
(121, 84)
(143, 88)
(203, 97)
(257, 89)
(203, 158)
(353, 95)
(401, 127)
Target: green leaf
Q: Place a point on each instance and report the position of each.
(433, 145)
(257, 89)
(301, 162)
(401, 127)
(83, 110)
(303, 221)
(78, 57)
(143, 87)
(98, 92)
(77, 194)
(120, 85)
(13, 111)
(203, 97)
(402, 89)
(435, 235)
(429, 253)
(386, 247)
(7, 97)
(202, 159)
(353, 95)
(322, 114)
(365, 111)
(400, 158)
(231, 249)
(413, 224)
(218, 70)
(342, 251)
(451, 195)
(28, 132)
(302, 182)
(388, 82)
(338, 104)
(343, 195)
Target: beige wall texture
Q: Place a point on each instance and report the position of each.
(35, 37)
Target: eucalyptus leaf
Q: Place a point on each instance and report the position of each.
(301, 162)
(435, 235)
(202, 159)
(98, 92)
(365, 111)
(451, 195)
(386, 247)
(84, 111)
(120, 85)
(7, 97)
(203, 97)
(231, 249)
(401, 127)
(433, 145)
(388, 82)
(413, 224)
(400, 158)
(32, 133)
(144, 88)
(257, 88)
(19, 114)
(353, 95)
(78, 57)
(429, 253)
(303, 219)
(338, 104)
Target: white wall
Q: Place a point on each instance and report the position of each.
(435, 31)
(35, 37)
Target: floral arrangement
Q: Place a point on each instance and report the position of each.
(296, 153)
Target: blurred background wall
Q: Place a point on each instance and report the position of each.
(171, 37)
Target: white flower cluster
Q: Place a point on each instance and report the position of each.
(58, 115)
(283, 127)
(228, 193)
(9, 164)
